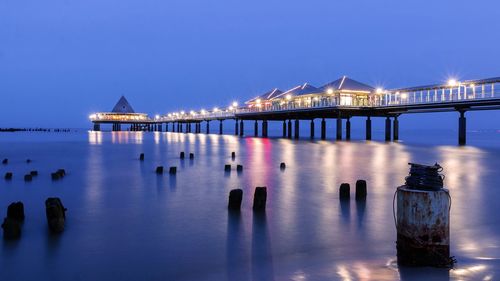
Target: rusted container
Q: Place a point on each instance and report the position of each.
(423, 227)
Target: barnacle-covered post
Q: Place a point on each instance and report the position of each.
(423, 218)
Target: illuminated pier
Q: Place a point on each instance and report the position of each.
(341, 100)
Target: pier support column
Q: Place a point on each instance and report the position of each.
(284, 128)
(323, 129)
(220, 126)
(289, 129)
(368, 128)
(179, 127)
(339, 127)
(256, 129)
(242, 129)
(160, 127)
(395, 128)
(264, 128)
(97, 127)
(236, 127)
(462, 125)
(348, 128)
(312, 128)
(387, 128)
(296, 133)
(207, 129)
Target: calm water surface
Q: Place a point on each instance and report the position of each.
(126, 223)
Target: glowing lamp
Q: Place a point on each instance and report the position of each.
(452, 82)
(329, 91)
(379, 90)
(288, 97)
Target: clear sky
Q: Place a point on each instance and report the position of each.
(63, 59)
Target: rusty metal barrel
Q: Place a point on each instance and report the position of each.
(423, 219)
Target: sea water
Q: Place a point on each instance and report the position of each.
(125, 222)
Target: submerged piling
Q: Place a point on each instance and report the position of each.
(141, 157)
(5, 161)
(181, 155)
(235, 198)
(233, 154)
(16, 211)
(11, 229)
(191, 155)
(239, 168)
(227, 168)
(8, 176)
(28, 177)
(282, 165)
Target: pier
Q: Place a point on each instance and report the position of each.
(340, 100)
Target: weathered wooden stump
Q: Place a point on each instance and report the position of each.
(5, 161)
(56, 214)
(16, 211)
(34, 173)
(8, 176)
(361, 190)
(227, 168)
(191, 155)
(159, 170)
(233, 154)
(182, 155)
(235, 198)
(345, 191)
(28, 177)
(11, 229)
(172, 170)
(141, 157)
(282, 165)
(259, 198)
(239, 168)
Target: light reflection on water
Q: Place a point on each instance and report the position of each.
(126, 222)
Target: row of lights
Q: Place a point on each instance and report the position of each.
(232, 107)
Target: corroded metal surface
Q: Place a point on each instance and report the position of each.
(423, 226)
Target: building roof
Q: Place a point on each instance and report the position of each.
(347, 84)
(305, 89)
(122, 106)
(267, 96)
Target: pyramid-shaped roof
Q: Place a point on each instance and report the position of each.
(347, 84)
(305, 89)
(122, 106)
(267, 96)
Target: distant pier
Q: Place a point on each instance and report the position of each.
(340, 100)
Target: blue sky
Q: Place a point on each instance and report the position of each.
(62, 59)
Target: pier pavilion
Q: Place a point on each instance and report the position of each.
(122, 113)
(340, 100)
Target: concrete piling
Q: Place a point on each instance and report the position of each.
(55, 213)
(297, 130)
(235, 198)
(227, 168)
(368, 127)
(141, 157)
(159, 170)
(172, 170)
(361, 190)
(181, 155)
(259, 198)
(345, 191)
(8, 176)
(387, 128)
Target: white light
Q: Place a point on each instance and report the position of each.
(404, 95)
(157, 116)
(329, 91)
(203, 112)
(472, 85)
(216, 109)
(169, 115)
(182, 112)
(258, 100)
(235, 104)
(380, 90)
(316, 98)
(231, 107)
(92, 116)
(452, 82)
(288, 97)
